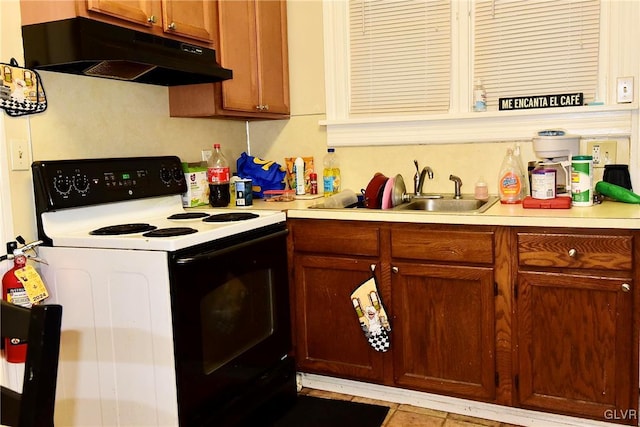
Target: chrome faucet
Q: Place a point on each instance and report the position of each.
(458, 183)
(418, 178)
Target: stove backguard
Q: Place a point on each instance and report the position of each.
(64, 184)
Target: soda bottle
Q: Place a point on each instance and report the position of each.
(331, 173)
(218, 177)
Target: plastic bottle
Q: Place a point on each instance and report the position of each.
(299, 170)
(331, 173)
(525, 174)
(510, 180)
(479, 96)
(218, 177)
(313, 178)
(481, 191)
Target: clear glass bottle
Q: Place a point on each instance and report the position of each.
(218, 177)
(331, 173)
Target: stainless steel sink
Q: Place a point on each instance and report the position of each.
(448, 204)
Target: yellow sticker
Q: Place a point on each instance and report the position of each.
(32, 283)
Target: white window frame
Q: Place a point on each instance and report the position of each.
(461, 125)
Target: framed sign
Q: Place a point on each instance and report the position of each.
(541, 101)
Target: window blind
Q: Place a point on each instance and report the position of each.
(400, 56)
(536, 47)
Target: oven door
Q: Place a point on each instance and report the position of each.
(231, 324)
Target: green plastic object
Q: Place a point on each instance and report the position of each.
(617, 193)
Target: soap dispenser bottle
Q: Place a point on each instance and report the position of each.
(510, 180)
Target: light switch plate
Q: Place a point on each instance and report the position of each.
(20, 155)
(625, 89)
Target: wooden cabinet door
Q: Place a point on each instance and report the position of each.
(329, 339)
(443, 337)
(273, 56)
(253, 43)
(140, 12)
(238, 51)
(192, 19)
(575, 344)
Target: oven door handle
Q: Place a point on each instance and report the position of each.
(216, 253)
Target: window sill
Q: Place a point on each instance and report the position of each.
(515, 125)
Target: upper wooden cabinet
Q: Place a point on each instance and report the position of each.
(253, 43)
(192, 21)
(137, 12)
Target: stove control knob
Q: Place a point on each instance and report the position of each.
(81, 183)
(166, 175)
(62, 184)
(178, 174)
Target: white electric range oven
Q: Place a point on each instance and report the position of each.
(169, 317)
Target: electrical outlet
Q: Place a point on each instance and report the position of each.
(625, 89)
(595, 153)
(206, 154)
(603, 152)
(20, 155)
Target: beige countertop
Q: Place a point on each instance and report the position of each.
(609, 214)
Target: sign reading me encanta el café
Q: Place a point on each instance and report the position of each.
(541, 101)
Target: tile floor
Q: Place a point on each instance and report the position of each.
(401, 415)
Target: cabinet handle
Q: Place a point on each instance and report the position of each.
(395, 269)
(626, 287)
(265, 107)
(171, 26)
(372, 267)
(573, 253)
(152, 19)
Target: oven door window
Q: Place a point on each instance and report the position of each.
(243, 306)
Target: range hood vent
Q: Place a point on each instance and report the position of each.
(92, 48)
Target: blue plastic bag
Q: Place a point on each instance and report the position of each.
(265, 174)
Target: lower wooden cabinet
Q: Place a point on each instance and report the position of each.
(443, 291)
(575, 344)
(543, 319)
(577, 354)
(444, 329)
(329, 338)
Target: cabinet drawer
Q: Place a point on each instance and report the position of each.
(437, 244)
(336, 237)
(608, 252)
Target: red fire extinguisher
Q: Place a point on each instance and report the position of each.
(15, 293)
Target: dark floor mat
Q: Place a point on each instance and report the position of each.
(316, 412)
